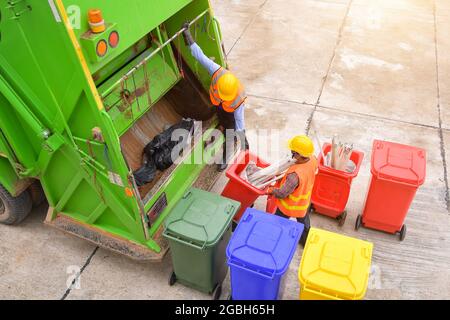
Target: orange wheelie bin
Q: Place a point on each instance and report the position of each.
(397, 172)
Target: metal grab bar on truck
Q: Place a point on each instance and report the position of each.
(151, 55)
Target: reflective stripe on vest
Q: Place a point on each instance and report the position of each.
(294, 208)
(232, 106)
(301, 197)
(213, 89)
(236, 103)
(228, 106)
(297, 204)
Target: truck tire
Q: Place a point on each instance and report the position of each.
(37, 193)
(14, 210)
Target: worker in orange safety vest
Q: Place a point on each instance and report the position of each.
(293, 198)
(227, 94)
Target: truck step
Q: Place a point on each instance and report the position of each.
(106, 240)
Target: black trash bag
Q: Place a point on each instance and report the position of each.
(145, 174)
(164, 139)
(157, 154)
(163, 157)
(160, 148)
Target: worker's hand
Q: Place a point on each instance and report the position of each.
(270, 191)
(188, 40)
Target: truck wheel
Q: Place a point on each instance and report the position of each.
(14, 209)
(37, 193)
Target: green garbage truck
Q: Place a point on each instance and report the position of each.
(82, 92)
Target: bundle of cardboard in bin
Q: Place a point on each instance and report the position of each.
(261, 178)
(339, 157)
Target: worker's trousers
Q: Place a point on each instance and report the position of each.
(305, 221)
(227, 121)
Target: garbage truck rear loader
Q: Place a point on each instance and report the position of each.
(81, 94)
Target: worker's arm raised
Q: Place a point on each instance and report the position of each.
(197, 52)
(207, 63)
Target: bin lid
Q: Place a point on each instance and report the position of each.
(200, 218)
(399, 162)
(336, 265)
(264, 243)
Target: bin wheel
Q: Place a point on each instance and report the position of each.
(312, 209)
(342, 218)
(217, 292)
(234, 225)
(403, 233)
(172, 279)
(358, 222)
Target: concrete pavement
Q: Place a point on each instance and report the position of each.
(363, 69)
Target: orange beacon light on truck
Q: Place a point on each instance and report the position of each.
(96, 21)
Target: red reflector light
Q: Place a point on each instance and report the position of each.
(114, 39)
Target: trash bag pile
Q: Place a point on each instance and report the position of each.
(145, 174)
(157, 154)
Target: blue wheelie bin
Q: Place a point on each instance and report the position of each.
(259, 254)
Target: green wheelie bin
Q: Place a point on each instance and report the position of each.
(198, 230)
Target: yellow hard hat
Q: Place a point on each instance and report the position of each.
(228, 86)
(302, 145)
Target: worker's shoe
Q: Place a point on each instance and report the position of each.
(246, 144)
(222, 167)
(188, 39)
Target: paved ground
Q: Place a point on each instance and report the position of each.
(363, 69)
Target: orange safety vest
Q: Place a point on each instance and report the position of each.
(297, 203)
(228, 106)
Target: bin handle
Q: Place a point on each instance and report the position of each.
(230, 208)
(187, 195)
(234, 264)
(169, 236)
(293, 232)
(248, 218)
(382, 178)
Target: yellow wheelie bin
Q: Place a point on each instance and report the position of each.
(334, 267)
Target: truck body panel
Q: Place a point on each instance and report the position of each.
(74, 119)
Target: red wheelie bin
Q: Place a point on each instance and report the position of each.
(239, 189)
(397, 172)
(332, 187)
(271, 206)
